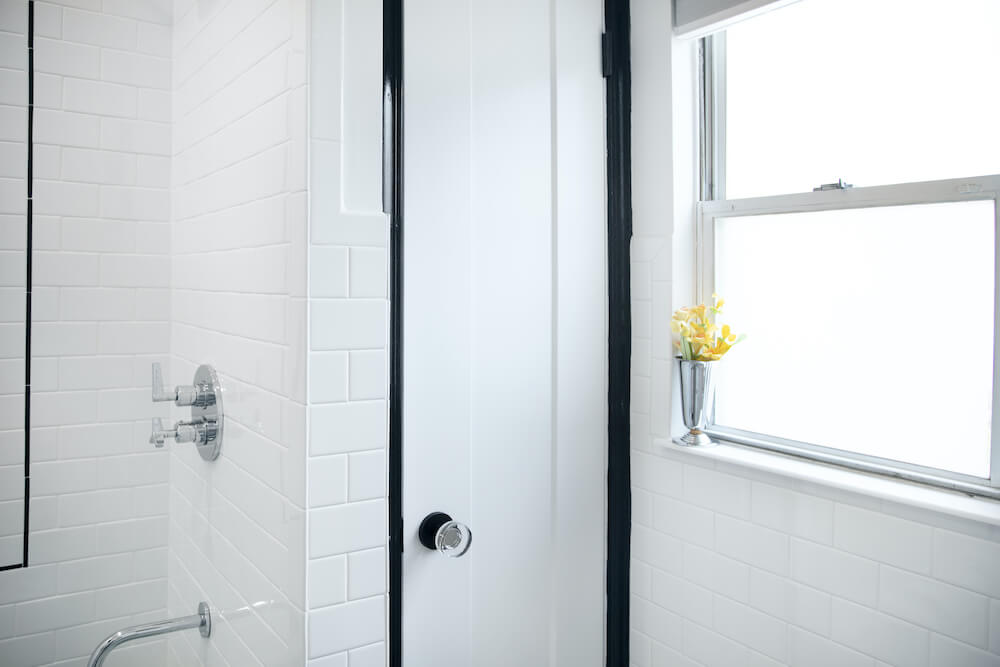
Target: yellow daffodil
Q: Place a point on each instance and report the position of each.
(698, 338)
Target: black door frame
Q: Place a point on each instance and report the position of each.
(616, 68)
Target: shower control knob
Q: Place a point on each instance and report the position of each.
(439, 532)
(198, 395)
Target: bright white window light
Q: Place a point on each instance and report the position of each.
(874, 92)
(869, 330)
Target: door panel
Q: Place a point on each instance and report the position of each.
(504, 424)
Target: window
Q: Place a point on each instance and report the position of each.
(870, 309)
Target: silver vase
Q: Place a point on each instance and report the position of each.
(697, 400)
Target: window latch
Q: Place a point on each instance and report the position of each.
(839, 185)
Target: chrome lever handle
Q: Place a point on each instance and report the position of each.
(200, 433)
(185, 394)
(439, 532)
(159, 436)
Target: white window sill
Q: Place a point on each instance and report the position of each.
(982, 510)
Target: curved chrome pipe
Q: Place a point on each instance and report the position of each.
(202, 620)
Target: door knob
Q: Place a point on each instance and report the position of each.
(439, 532)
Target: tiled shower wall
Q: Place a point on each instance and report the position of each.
(732, 567)
(100, 317)
(348, 325)
(237, 525)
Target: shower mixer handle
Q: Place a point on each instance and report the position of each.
(206, 425)
(200, 433)
(181, 395)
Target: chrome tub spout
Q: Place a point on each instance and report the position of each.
(202, 620)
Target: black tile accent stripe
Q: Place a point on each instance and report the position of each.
(27, 290)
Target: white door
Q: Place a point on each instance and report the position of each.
(505, 342)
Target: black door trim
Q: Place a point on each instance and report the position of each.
(392, 193)
(619, 146)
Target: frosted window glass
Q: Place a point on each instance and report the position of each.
(881, 92)
(869, 330)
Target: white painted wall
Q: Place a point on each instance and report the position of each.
(238, 283)
(100, 317)
(736, 567)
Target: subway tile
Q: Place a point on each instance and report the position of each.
(686, 522)
(347, 427)
(884, 637)
(327, 480)
(368, 378)
(948, 653)
(348, 324)
(328, 271)
(809, 650)
(717, 573)
(346, 626)
(712, 649)
(90, 166)
(795, 513)
(134, 136)
(995, 626)
(99, 97)
(834, 571)
(369, 272)
(52, 613)
(751, 628)
(62, 544)
(967, 561)
(367, 475)
(134, 69)
(655, 621)
(98, 235)
(66, 58)
(64, 128)
(366, 573)
(342, 528)
(368, 656)
(718, 491)
(883, 538)
(681, 597)
(131, 598)
(94, 303)
(658, 549)
(657, 474)
(327, 581)
(761, 547)
(62, 198)
(941, 607)
(98, 29)
(48, 20)
(94, 573)
(328, 377)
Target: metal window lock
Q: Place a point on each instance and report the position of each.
(839, 185)
(204, 429)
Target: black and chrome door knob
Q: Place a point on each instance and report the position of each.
(439, 532)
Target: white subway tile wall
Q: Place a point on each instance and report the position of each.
(732, 567)
(238, 289)
(101, 315)
(348, 326)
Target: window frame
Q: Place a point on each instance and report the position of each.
(708, 209)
